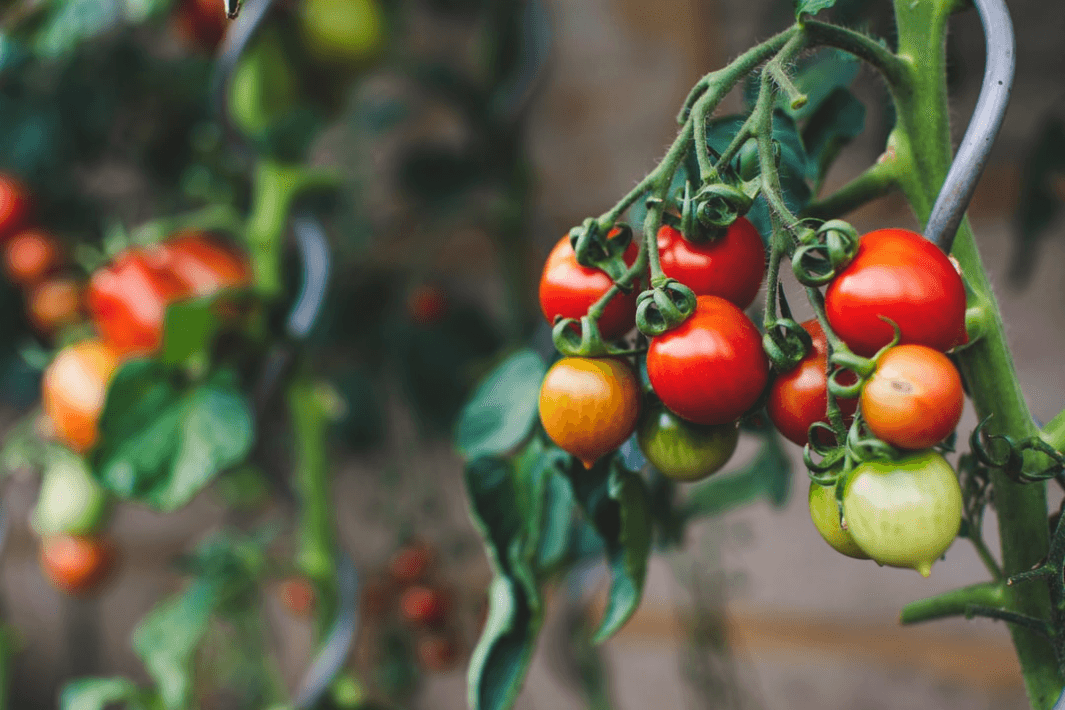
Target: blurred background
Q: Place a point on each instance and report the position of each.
(470, 136)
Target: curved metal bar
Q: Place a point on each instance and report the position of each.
(975, 147)
(338, 642)
(1060, 704)
(314, 252)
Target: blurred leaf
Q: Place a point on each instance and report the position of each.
(97, 693)
(1041, 198)
(503, 410)
(615, 502)
(839, 119)
(557, 528)
(70, 22)
(162, 444)
(818, 76)
(769, 475)
(188, 328)
(811, 7)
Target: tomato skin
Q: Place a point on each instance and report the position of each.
(203, 265)
(128, 300)
(55, 303)
(799, 397)
(711, 369)
(825, 514)
(900, 275)
(74, 390)
(76, 564)
(568, 289)
(914, 399)
(423, 606)
(29, 256)
(683, 451)
(14, 205)
(731, 266)
(589, 406)
(904, 513)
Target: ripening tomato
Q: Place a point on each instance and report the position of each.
(825, 514)
(128, 300)
(344, 32)
(202, 264)
(297, 594)
(437, 652)
(70, 500)
(914, 399)
(711, 369)
(76, 564)
(799, 397)
(74, 390)
(424, 606)
(900, 275)
(54, 303)
(29, 256)
(589, 406)
(410, 563)
(14, 205)
(202, 23)
(681, 450)
(904, 513)
(568, 289)
(731, 266)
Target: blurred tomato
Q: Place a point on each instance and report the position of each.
(297, 594)
(437, 652)
(427, 304)
(76, 564)
(202, 264)
(343, 32)
(74, 389)
(424, 606)
(29, 256)
(410, 563)
(202, 23)
(54, 303)
(14, 205)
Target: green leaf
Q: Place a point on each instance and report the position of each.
(818, 76)
(615, 502)
(768, 475)
(96, 693)
(69, 22)
(838, 120)
(188, 329)
(503, 410)
(811, 7)
(557, 528)
(161, 443)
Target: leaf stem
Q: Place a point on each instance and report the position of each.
(876, 181)
(956, 602)
(893, 68)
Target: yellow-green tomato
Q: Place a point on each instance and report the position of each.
(263, 86)
(346, 32)
(904, 513)
(70, 501)
(682, 450)
(825, 514)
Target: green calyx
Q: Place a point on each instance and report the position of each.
(603, 249)
(663, 308)
(825, 253)
(786, 343)
(709, 213)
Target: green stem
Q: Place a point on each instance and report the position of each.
(878, 180)
(865, 48)
(992, 565)
(315, 544)
(1054, 432)
(954, 603)
(923, 149)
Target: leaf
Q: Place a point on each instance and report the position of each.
(501, 658)
(69, 22)
(188, 328)
(557, 528)
(96, 693)
(1041, 197)
(615, 502)
(167, 638)
(161, 443)
(503, 410)
(769, 475)
(811, 7)
(818, 76)
(839, 119)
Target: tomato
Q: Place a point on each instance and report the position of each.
(54, 303)
(437, 652)
(589, 406)
(203, 265)
(427, 304)
(202, 23)
(344, 32)
(681, 450)
(825, 514)
(74, 389)
(711, 369)
(128, 300)
(799, 397)
(70, 500)
(424, 606)
(904, 513)
(14, 205)
(731, 266)
(263, 87)
(76, 564)
(29, 256)
(410, 563)
(568, 289)
(297, 594)
(900, 275)
(914, 399)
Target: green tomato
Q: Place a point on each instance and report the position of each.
(681, 450)
(346, 32)
(348, 691)
(825, 514)
(70, 500)
(263, 86)
(904, 513)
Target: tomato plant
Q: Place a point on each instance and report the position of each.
(77, 564)
(731, 266)
(681, 450)
(914, 398)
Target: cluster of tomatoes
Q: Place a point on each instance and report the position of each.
(711, 371)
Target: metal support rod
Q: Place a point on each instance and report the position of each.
(972, 155)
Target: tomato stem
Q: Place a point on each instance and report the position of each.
(878, 180)
(955, 602)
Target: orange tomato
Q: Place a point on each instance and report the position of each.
(74, 389)
(914, 399)
(201, 263)
(589, 406)
(54, 303)
(76, 564)
(29, 256)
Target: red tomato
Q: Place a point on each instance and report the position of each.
(76, 564)
(914, 399)
(29, 256)
(730, 267)
(297, 594)
(14, 205)
(427, 304)
(799, 397)
(568, 289)
(128, 300)
(410, 563)
(201, 264)
(202, 23)
(423, 606)
(712, 368)
(902, 276)
(74, 390)
(54, 303)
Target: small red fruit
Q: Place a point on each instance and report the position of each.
(410, 563)
(437, 653)
(423, 606)
(427, 304)
(14, 205)
(29, 256)
(54, 303)
(76, 564)
(297, 594)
